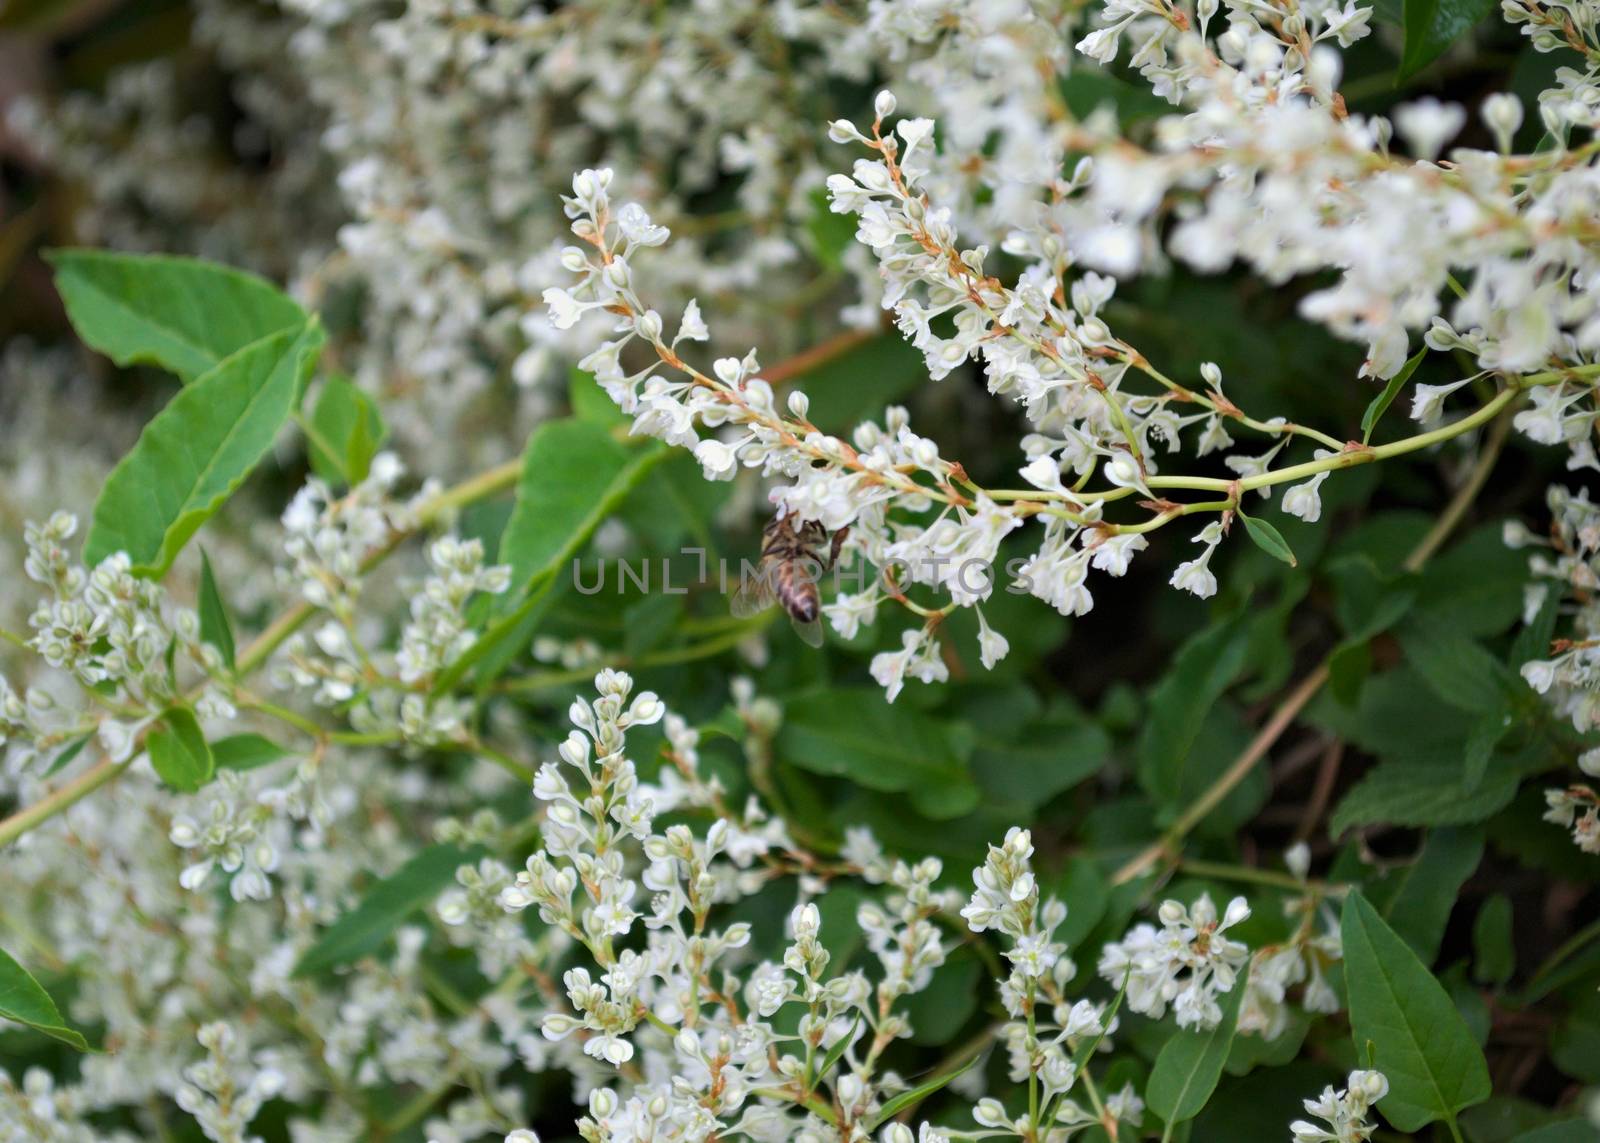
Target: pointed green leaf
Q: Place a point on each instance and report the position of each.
(384, 907)
(1381, 403)
(182, 314)
(196, 452)
(1486, 733)
(1533, 641)
(179, 752)
(592, 403)
(1431, 26)
(1418, 1039)
(68, 753)
(246, 752)
(1417, 899)
(1201, 672)
(852, 733)
(1494, 952)
(574, 475)
(835, 1053)
(214, 625)
(1190, 1064)
(1349, 664)
(344, 432)
(1459, 670)
(22, 1000)
(1268, 539)
(921, 1092)
(1419, 793)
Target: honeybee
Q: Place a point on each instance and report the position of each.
(789, 572)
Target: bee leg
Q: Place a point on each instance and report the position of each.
(834, 548)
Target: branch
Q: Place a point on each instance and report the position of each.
(1288, 710)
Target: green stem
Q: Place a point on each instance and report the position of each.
(1252, 876)
(282, 714)
(1289, 709)
(705, 649)
(423, 1101)
(1563, 953)
(67, 796)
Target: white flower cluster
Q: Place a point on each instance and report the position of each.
(1344, 1112)
(119, 638)
(1566, 566)
(691, 1025)
(1185, 963)
(335, 665)
(1304, 959)
(1267, 137)
(444, 130)
(1041, 1050)
(329, 539)
(222, 1091)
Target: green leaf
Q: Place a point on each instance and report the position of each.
(1418, 1039)
(344, 432)
(1416, 899)
(22, 1000)
(1421, 794)
(1349, 664)
(179, 753)
(1268, 539)
(1485, 734)
(1367, 600)
(574, 475)
(831, 233)
(1190, 1063)
(384, 907)
(1475, 587)
(1575, 1044)
(182, 314)
(939, 1012)
(852, 733)
(1201, 672)
(836, 1053)
(1086, 89)
(1083, 884)
(68, 753)
(1458, 670)
(1052, 754)
(198, 450)
(1494, 954)
(246, 752)
(214, 625)
(921, 1092)
(1533, 641)
(1381, 403)
(1431, 26)
(592, 403)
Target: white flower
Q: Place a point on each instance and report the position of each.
(1345, 1112)
(1428, 125)
(992, 646)
(717, 460)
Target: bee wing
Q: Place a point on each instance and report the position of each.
(753, 595)
(810, 632)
